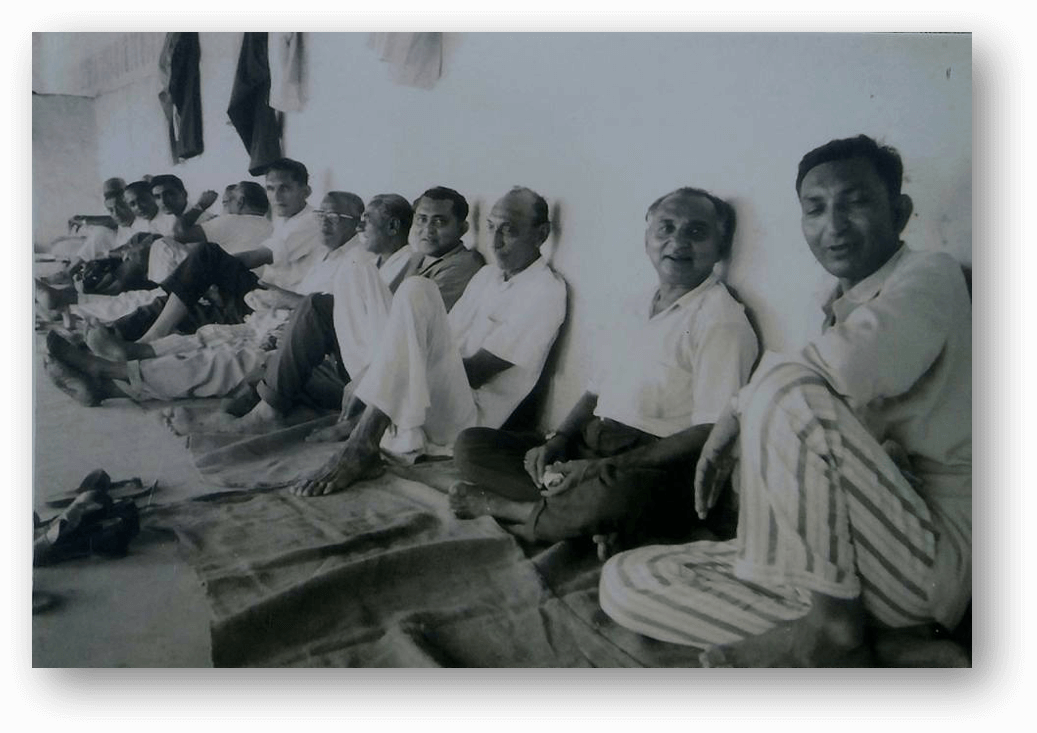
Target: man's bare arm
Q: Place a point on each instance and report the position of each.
(680, 446)
(484, 366)
(185, 228)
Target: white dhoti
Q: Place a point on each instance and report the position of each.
(417, 375)
(823, 509)
(208, 363)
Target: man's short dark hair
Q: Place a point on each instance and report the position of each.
(395, 207)
(140, 187)
(541, 212)
(295, 170)
(884, 158)
(254, 196)
(168, 179)
(726, 218)
(346, 199)
(442, 193)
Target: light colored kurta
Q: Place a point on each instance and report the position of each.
(417, 376)
(683, 366)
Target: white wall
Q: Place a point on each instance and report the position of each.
(602, 124)
(64, 164)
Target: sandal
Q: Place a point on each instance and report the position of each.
(93, 523)
(98, 480)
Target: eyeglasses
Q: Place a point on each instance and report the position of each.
(323, 214)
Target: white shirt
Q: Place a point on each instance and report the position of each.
(295, 243)
(898, 349)
(362, 302)
(395, 263)
(324, 272)
(238, 232)
(162, 224)
(516, 320)
(683, 366)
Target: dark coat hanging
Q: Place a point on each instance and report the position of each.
(250, 112)
(181, 94)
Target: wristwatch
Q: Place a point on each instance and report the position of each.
(554, 434)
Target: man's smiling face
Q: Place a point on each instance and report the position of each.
(683, 240)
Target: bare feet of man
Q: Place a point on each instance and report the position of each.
(830, 635)
(468, 501)
(348, 466)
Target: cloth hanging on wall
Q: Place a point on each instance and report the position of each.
(181, 94)
(415, 59)
(250, 111)
(287, 71)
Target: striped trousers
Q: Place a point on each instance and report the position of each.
(823, 509)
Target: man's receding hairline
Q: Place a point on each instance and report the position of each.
(687, 196)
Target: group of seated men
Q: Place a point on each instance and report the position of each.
(854, 453)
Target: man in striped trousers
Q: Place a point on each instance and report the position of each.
(855, 457)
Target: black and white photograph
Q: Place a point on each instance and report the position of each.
(502, 349)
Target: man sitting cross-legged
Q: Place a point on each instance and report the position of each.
(435, 373)
(621, 460)
(216, 358)
(838, 531)
(323, 325)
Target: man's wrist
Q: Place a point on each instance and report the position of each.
(559, 436)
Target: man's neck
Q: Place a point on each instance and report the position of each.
(394, 246)
(444, 251)
(508, 274)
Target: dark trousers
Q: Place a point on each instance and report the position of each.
(208, 266)
(634, 502)
(301, 366)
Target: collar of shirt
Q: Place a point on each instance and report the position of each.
(427, 261)
(840, 304)
(300, 216)
(528, 271)
(686, 299)
(402, 253)
(340, 252)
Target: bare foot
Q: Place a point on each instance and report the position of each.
(71, 355)
(350, 465)
(468, 501)
(75, 384)
(827, 636)
(260, 419)
(105, 342)
(334, 433)
(54, 298)
(907, 648)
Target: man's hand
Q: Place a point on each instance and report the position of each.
(571, 473)
(716, 461)
(207, 199)
(538, 458)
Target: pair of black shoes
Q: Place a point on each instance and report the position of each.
(93, 523)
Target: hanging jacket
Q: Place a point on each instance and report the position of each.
(181, 94)
(250, 111)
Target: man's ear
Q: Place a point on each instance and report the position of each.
(543, 231)
(464, 229)
(394, 226)
(902, 209)
(308, 191)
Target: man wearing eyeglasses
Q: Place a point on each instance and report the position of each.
(349, 324)
(435, 373)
